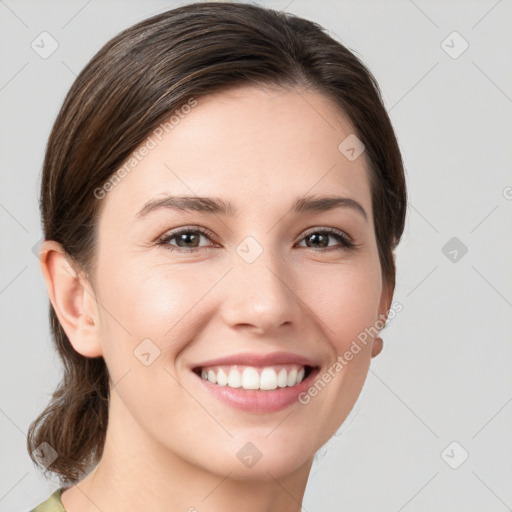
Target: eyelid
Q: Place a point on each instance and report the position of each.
(324, 229)
(169, 235)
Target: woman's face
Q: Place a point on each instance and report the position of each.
(266, 292)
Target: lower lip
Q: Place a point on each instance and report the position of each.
(255, 400)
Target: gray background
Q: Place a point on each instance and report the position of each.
(445, 372)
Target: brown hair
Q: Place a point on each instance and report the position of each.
(129, 87)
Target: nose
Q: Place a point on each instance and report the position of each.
(260, 296)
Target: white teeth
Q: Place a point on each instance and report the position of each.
(268, 379)
(249, 377)
(292, 377)
(282, 378)
(234, 379)
(222, 378)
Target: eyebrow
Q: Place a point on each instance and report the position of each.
(217, 206)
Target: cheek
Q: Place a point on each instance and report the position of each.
(148, 318)
(346, 298)
(141, 297)
(159, 302)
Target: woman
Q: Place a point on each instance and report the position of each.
(221, 197)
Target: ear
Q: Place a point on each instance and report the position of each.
(386, 298)
(72, 298)
(385, 303)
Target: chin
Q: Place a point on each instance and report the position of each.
(262, 456)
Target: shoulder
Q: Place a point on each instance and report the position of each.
(52, 504)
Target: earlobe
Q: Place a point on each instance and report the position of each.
(377, 346)
(72, 299)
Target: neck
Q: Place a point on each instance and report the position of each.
(138, 472)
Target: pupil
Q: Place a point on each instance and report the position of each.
(323, 239)
(184, 238)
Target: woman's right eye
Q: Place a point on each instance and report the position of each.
(187, 239)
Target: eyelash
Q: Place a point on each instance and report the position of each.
(346, 242)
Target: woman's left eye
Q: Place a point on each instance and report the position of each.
(187, 240)
(321, 237)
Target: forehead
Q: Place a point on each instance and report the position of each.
(252, 146)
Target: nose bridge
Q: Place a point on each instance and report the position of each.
(259, 292)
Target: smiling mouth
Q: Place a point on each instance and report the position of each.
(265, 378)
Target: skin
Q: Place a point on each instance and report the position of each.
(170, 444)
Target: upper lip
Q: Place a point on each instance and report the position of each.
(254, 359)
